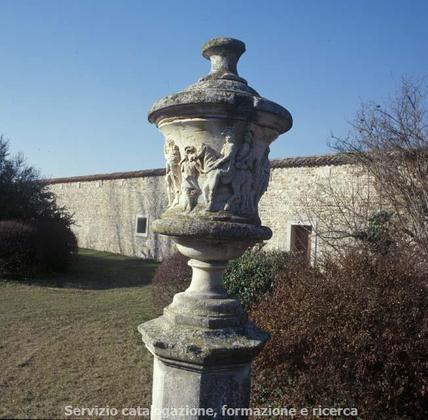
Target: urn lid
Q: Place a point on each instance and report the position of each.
(222, 92)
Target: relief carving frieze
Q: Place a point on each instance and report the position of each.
(230, 180)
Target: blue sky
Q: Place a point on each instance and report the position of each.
(77, 77)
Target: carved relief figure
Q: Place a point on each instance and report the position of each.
(219, 168)
(242, 182)
(190, 169)
(173, 177)
(208, 157)
(236, 166)
(262, 177)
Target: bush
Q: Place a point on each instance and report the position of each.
(352, 335)
(28, 249)
(376, 236)
(57, 246)
(171, 277)
(35, 235)
(17, 248)
(249, 277)
(23, 195)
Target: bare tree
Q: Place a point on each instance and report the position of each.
(340, 207)
(389, 145)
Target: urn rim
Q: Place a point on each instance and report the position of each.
(222, 92)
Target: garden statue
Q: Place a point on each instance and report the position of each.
(218, 133)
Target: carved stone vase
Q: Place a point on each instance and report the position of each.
(217, 136)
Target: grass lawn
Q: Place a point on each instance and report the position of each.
(76, 345)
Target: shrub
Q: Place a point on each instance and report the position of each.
(17, 248)
(252, 275)
(57, 246)
(376, 235)
(28, 249)
(171, 277)
(350, 336)
(35, 235)
(23, 195)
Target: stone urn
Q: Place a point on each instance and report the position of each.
(217, 136)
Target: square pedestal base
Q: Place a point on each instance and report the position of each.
(189, 392)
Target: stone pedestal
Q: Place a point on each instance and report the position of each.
(217, 135)
(203, 387)
(200, 370)
(203, 344)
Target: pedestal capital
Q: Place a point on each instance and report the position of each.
(201, 348)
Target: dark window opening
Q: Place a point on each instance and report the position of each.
(301, 240)
(141, 225)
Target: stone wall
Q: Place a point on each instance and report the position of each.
(106, 206)
(299, 196)
(105, 211)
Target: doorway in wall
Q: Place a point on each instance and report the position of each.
(300, 240)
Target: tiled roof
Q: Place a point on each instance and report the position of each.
(321, 160)
(292, 162)
(101, 177)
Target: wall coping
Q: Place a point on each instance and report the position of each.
(316, 160)
(291, 162)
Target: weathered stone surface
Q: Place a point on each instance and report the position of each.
(217, 136)
(106, 211)
(199, 367)
(200, 387)
(202, 346)
(222, 93)
(200, 228)
(106, 206)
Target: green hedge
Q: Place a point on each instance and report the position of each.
(32, 248)
(253, 274)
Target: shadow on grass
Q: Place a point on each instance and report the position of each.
(94, 270)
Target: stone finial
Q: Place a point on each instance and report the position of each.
(224, 54)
